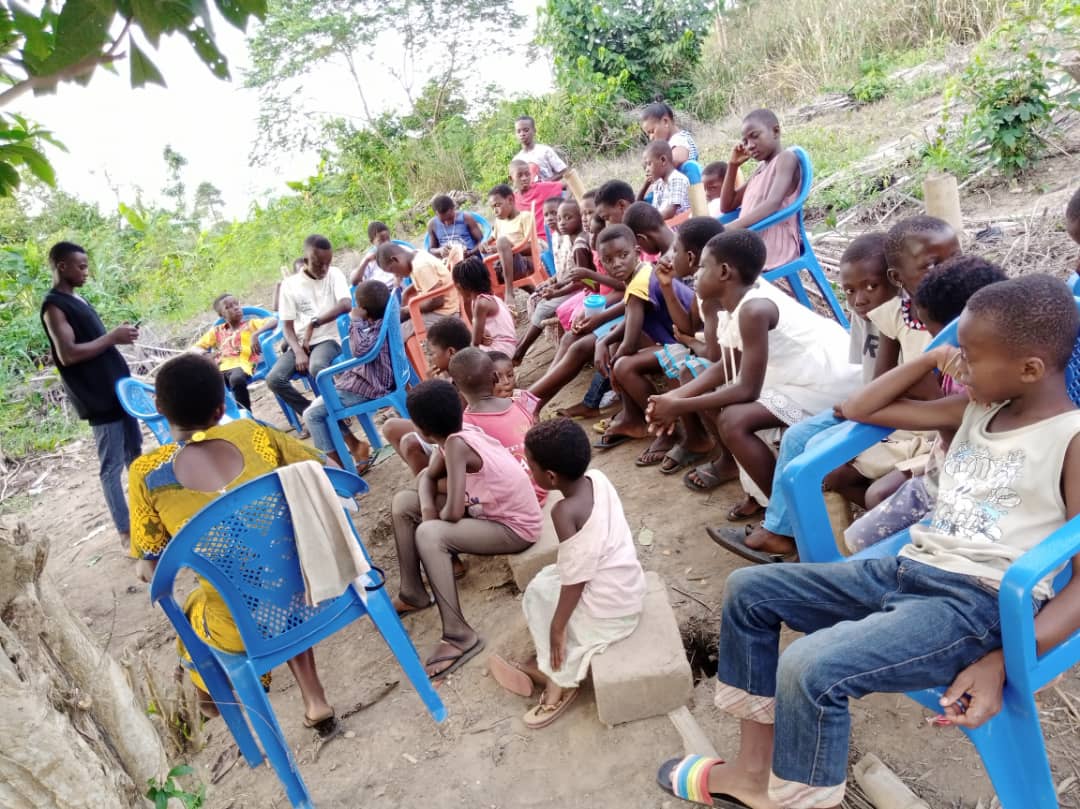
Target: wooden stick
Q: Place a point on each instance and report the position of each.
(695, 742)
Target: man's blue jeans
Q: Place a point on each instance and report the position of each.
(118, 444)
(797, 438)
(875, 625)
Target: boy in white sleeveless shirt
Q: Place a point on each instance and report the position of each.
(930, 615)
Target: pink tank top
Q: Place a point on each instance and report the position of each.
(501, 491)
(500, 328)
(782, 243)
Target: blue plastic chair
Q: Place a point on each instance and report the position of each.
(137, 399)
(1011, 744)
(692, 170)
(242, 545)
(485, 229)
(270, 342)
(1074, 283)
(548, 256)
(402, 372)
(807, 260)
(262, 367)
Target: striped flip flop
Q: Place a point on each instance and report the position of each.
(688, 778)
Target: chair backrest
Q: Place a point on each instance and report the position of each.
(391, 332)
(548, 256)
(243, 545)
(485, 229)
(137, 399)
(249, 312)
(692, 170)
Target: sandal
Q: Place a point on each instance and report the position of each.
(706, 473)
(678, 458)
(734, 540)
(510, 676)
(612, 440)
(326, 727)
(688, 778)
(543, 715)
(408, 609)
(456, 661)
(653, 455)
(601, 426)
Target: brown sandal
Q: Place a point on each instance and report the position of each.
(543, 715)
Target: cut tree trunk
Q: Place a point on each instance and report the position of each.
(72, 734)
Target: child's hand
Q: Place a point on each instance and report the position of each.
(838, 411)
(664, 271)
(660, 414)
(946, 359)
(557, 643)
(975, 694)
(578, 274)
(601, 359)
(687, 340)
(584, 324)
(739, 155)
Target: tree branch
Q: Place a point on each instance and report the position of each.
(69, 73)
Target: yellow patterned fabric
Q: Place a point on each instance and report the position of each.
(235, 347)
(160, 507)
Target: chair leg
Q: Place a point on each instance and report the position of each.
(290, 415)
(221, 691)
(416, 358)
(389, 625)
(262, 717)
(342, 451)
(372, 434)
(797, 287)
(1013, 753)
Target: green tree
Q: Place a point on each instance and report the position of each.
(175, 190)
(208, 203)
(68, 41)
(650, 45)
(438, 40)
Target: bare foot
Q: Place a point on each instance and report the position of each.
(578, 411)
(762, 539)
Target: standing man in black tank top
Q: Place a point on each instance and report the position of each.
(90, 366)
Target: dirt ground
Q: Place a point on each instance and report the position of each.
(392, 754)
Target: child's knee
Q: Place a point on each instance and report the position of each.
(503, 243)
(429, 537)
(622, 369)
(739, 589)
(405, 502)
(802, 672)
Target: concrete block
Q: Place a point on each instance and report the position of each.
(525, 565)
(647, 674)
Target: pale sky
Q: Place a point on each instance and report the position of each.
(115, 135)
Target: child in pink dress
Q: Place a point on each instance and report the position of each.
(488, 509)
(773, 185)
(593, 595)
(492, 322)
(504, 419)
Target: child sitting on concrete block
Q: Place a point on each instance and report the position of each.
(592, 596)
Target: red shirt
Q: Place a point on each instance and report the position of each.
(537, 193)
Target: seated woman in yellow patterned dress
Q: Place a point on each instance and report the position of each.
(173, 482)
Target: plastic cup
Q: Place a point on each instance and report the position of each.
(594, 305)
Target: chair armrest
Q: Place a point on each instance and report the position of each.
(416, 316)
(801, 483)
(1024, 669)
(324, 382)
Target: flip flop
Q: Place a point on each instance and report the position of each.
(601, 426)
(651, 457)
(678, 458)
(543, 715)
(688, 778)
(410, 609)
(707, 473)
(327, 727)
(510, 677)
(612, 440)
(459, 659)
(734, 540)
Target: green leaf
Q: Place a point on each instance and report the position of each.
(143, 71)
(133, 217)
(9, 179)
(238, 12)
(208, 51)
(180, 770)
(82, 29)
(157, 17)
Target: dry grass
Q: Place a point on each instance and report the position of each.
(773, 52)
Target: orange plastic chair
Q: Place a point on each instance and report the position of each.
(414, 346)
(532, 249)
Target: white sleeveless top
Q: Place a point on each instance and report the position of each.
(808, 354)
(999, 495)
